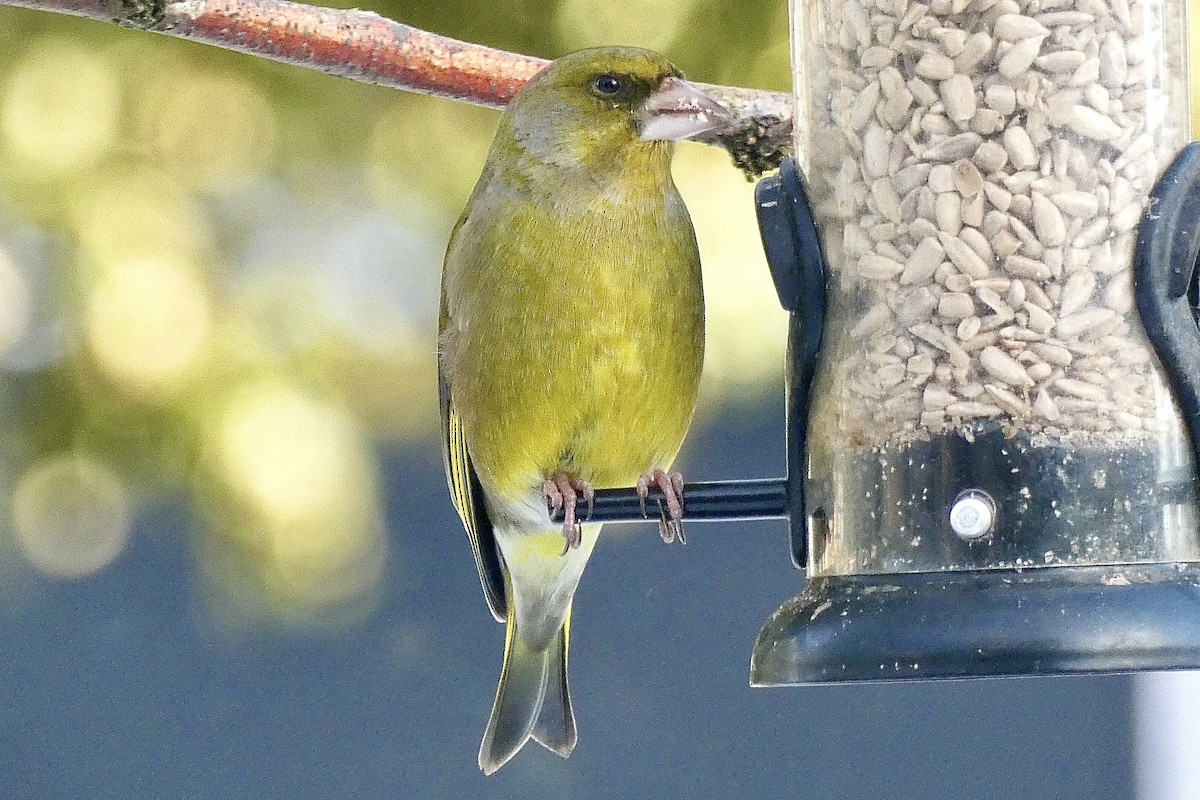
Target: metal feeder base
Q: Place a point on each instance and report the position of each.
(1041, 621)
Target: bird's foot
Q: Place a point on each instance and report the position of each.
(670, 516)
(562, 493)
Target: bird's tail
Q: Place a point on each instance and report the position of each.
(532, 700)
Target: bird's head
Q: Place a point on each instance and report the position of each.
(596, 107)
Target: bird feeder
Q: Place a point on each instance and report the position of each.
(994, 420)
(993, 425)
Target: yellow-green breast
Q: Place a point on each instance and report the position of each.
(578, 333)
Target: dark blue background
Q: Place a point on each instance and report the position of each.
(129, 684)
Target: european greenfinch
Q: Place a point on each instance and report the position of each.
(570, 349)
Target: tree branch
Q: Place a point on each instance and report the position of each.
(366, 47)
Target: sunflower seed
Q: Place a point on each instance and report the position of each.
(1092, 124)
(1060, 61)
(1015, 27)
(965, 178)
(875, 57)
(953, 148)
(977, 47)
(934, 66)
(956, 305)
(1039, 371)
(1076, 203)
(958, 97)
(1077, 291)
(1040, 320)
(1081, 389)
(941, 178)
(1003, 367)
(1019, 57)
(879, 268)
(1080, 322)
(1044, 405)
(1007, 400)
(935, 396)
(1048, 221)
(967, 329)
(968, 409)
(947, 210)
(963, 257)
(1021, 152)
(1024, 267)
(877, 147)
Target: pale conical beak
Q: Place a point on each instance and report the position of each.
(677, 110)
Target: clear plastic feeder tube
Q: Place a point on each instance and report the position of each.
(978, 169)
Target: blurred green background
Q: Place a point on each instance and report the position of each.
(218, 279)
(229, 566)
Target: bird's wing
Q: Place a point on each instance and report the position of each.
(467, 494)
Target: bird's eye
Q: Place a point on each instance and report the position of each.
(607, 85)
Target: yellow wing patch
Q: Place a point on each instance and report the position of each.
(467, 494)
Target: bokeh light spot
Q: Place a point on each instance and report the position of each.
(214, 130)
(148, 324)
(61, 107)
(130, 214)
(290, 453)
(308, 503)
(71, 516)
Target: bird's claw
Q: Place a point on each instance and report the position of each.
(554, 499)
(670, 515)
(562, 496)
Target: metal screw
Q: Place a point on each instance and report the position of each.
(972, 515)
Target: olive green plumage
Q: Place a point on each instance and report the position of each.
(571, 342)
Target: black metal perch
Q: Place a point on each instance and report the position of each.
(720, 500)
